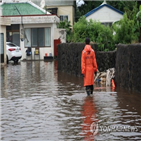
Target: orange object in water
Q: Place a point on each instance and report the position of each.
(113, 83)
(45, 54)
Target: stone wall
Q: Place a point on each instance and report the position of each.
(128, 67)
(105, 60)
(69, 58)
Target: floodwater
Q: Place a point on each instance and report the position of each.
(38, 103)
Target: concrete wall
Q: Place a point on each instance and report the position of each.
(64, 7)
(3, 23)
(37, 21)
(128, 67)
(65, 11)
(69, 58)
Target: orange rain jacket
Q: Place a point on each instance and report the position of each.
(88, 65)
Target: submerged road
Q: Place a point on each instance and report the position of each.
(38, 103)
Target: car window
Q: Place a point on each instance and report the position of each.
(11, 44)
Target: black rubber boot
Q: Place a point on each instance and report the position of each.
(88, 91)
(92, 88)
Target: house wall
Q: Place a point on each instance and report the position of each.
(43, 50)
(65, 10)
(60, 33)
(31, 19)
(3, 22)
(64, 7)
(104, 15)
(37, 22)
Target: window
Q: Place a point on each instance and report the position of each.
(11, 44)
(13, 34)
(37, 37)
(27, 40)
(107, 24)
(63, 17)
(34, 37)
(52, 10)
(47, 37)
(41, 37)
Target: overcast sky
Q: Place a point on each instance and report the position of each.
(79, 2)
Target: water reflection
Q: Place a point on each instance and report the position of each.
(2, 76)
(4, 79)
(89, 114)
(40, 103)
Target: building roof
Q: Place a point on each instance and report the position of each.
(27, 8)
(55, 2)
(101, 6)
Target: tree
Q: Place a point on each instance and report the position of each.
(138, 17)
(124, 6)
(97, 32)
(124, 30)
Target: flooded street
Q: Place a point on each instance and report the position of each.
(41, 104)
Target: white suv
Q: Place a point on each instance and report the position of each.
(13, 52)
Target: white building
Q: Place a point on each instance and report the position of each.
(62, 8)
(105, 14)
(31, 26)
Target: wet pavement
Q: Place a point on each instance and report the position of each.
(41, 104)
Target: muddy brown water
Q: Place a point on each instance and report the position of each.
(38, 103)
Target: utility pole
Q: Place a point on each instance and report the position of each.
(22, 30)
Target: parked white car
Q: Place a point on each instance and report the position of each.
(13, 52)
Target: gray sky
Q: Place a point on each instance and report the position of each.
(79, 2)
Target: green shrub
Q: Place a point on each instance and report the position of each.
(138, 18)
(124, 30)
(98, 33)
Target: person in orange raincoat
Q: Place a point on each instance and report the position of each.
(88, 66)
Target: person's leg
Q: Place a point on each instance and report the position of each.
(92, 88)
(88, 90)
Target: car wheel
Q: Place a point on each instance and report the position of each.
(15, 61)
(7, 60)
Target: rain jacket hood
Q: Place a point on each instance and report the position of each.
(87, 48)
